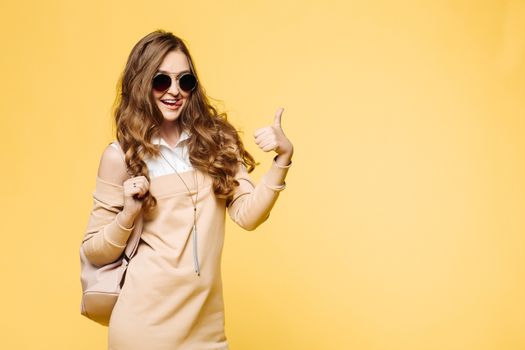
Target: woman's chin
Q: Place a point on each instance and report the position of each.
(170, 114)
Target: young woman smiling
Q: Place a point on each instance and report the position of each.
(181, 165)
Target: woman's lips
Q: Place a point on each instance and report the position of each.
(172, 106)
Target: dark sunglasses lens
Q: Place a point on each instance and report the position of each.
(187, 82)
(161, 82)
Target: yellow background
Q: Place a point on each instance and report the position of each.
(402, 226)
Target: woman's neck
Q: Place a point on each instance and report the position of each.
(170, 132)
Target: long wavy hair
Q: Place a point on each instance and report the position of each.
(214, 145)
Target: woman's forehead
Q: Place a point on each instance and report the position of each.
(174, 62)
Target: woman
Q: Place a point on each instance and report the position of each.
(180, 164)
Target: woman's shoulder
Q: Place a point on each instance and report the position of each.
(112, 167)
(116, 145)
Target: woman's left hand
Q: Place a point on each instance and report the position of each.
(272, 137)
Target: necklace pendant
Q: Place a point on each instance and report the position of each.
(195, 255)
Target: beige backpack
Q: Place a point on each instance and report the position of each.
(101, 285)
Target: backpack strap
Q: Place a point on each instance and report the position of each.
(133, 241)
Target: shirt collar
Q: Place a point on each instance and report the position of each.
(160, 140)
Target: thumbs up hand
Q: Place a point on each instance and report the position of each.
(272, 137)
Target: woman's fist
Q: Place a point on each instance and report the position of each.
(135, 189)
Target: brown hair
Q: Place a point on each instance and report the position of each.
(214, 145)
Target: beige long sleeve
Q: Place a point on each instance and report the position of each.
(105, 239)
(251, 204)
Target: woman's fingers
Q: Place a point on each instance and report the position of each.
(138, 181)
(137, 185)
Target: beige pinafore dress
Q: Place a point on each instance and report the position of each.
(164, 303)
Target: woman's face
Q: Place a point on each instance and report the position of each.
(173, 100)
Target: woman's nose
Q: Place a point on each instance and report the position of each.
(174, 87)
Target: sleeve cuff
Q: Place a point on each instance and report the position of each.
(281, 166)
(124, 228)
(275, 177)
(117, 235)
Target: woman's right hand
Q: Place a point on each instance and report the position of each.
(135, 189)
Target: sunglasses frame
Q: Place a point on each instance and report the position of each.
(177, 78)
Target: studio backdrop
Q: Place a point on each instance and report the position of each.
(403, 222)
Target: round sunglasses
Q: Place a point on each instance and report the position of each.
(187, 82)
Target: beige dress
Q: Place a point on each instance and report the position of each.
(164, 304)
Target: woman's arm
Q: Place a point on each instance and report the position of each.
(251, 204)
(105, 236)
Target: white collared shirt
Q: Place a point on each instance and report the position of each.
(177, 156)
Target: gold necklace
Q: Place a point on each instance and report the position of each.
(194, 229)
